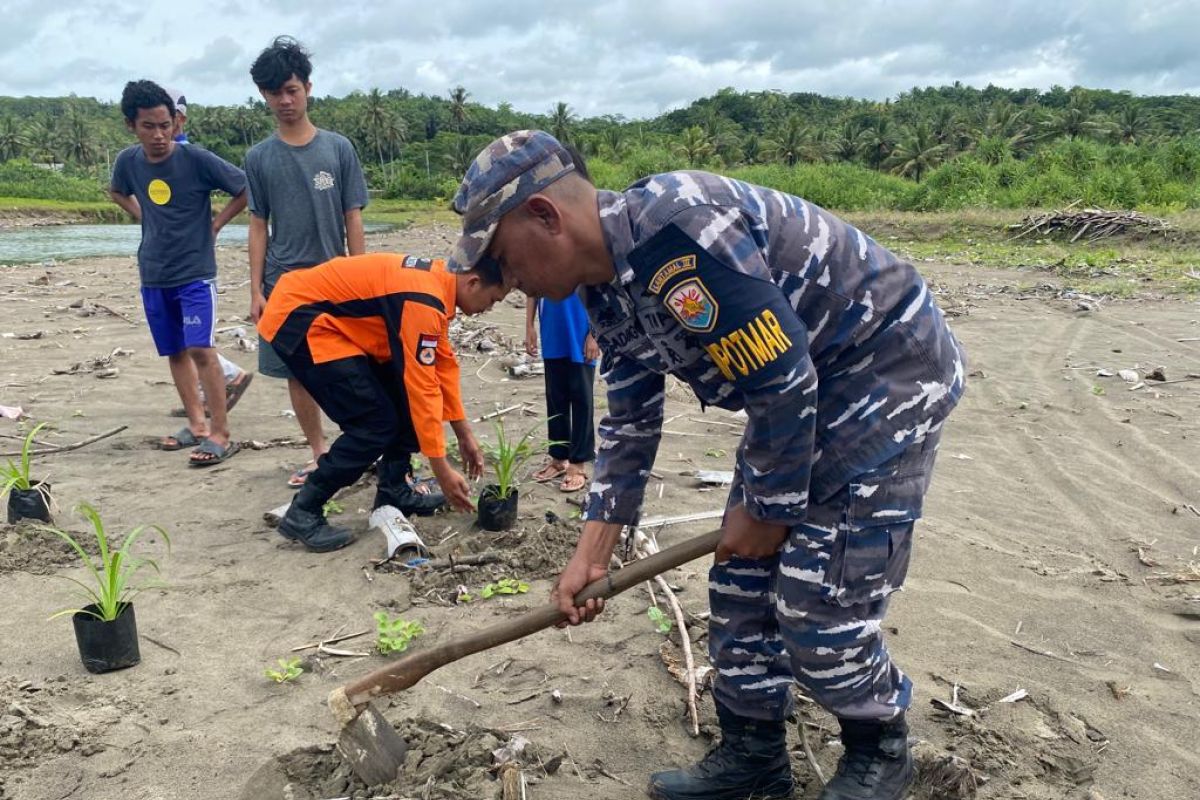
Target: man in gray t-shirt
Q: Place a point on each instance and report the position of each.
(307, 193)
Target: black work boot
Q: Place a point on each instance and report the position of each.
(877, 764)
(395, 490)
(750, 762)
(305, 521)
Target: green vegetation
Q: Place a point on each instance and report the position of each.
(394, 635)
(16, 474)
(502, 586)
(289, 670)
(112, 586)
(943, 148)
(661, 623)
(507, 455)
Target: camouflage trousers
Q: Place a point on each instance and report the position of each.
(812, 613)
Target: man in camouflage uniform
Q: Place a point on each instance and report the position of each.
(835, 349)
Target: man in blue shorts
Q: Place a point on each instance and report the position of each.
(167, 188)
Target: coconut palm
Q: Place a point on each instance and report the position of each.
(1132, 125)
(373, 118)
(561, 121)
(461, 155)
(12, 138)
(876, 141)
(459, 113)
(613, 139)
(694, 145)
(917, 152)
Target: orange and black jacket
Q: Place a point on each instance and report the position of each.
(389, 307)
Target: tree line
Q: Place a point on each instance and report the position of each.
(933, 147)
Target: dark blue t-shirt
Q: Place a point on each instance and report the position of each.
(177, 239)
(564, 328)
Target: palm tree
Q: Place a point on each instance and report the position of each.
(373, 118)
(752, 148)
(613, 138)
(12, 138)
(75, 136)
(459, 112)
(461, 155)
(1132, 125)
(917, 152)
(694, 145)
(791, 144)
(42, 139)
(1073, 121)
(561, 120)
(844, 145)
(876, 141)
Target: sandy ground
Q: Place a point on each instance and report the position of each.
(1027, 575)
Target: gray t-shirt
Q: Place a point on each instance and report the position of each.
(304, 194)
(177, 239)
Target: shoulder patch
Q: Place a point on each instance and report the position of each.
(693, 305)
(427, 348)
(669, 270)
(413, 262)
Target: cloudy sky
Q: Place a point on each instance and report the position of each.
(631, 57)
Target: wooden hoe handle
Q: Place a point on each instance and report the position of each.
(347, 701)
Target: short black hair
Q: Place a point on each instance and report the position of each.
(279, 62)
(488, 270)
(580, 166)
(144, 94)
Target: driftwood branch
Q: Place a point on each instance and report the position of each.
(685, 642)
(67, 447)
(1095, 222)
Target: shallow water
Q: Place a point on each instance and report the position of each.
(60, 242)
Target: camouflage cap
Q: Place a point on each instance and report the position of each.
(506, 173)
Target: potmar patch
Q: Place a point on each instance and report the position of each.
(693, 306)
(427, 348)
(670, 270)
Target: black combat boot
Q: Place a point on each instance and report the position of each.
(305, 521)
(395, 490)
(877, 764)
(750, 762)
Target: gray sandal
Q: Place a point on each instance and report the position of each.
(210, 448)
(182, 438)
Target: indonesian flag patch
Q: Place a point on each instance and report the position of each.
(427, 348)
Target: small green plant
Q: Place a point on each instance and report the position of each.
(112, 586)
(289, 670)
(1098, 391)
(504, 586)
(715, 452)
(393, 635)
(332, 507)
(661, 623)
(507, 455)
(15, 475)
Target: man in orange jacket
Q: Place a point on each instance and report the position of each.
(367, 336)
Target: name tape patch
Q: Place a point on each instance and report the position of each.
(751, 347)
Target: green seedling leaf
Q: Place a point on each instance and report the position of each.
(1098, 391)
(661, 623)
(289, 670)
(332, 507)
(715, 452)
(504, 586)
(394, 635)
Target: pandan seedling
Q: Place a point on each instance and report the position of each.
(508, 455)
(394, 635)
(661, 623)
(504, 586)
(289, 670)
(332, 507)
(15, 474)
(113, 575)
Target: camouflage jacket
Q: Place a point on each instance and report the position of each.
(761, 301)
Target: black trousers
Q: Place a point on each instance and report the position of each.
(569, 405)
(367, 401)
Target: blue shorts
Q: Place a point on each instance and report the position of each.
(181, 317)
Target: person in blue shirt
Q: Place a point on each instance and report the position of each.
(167, 188)
(569, 352)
